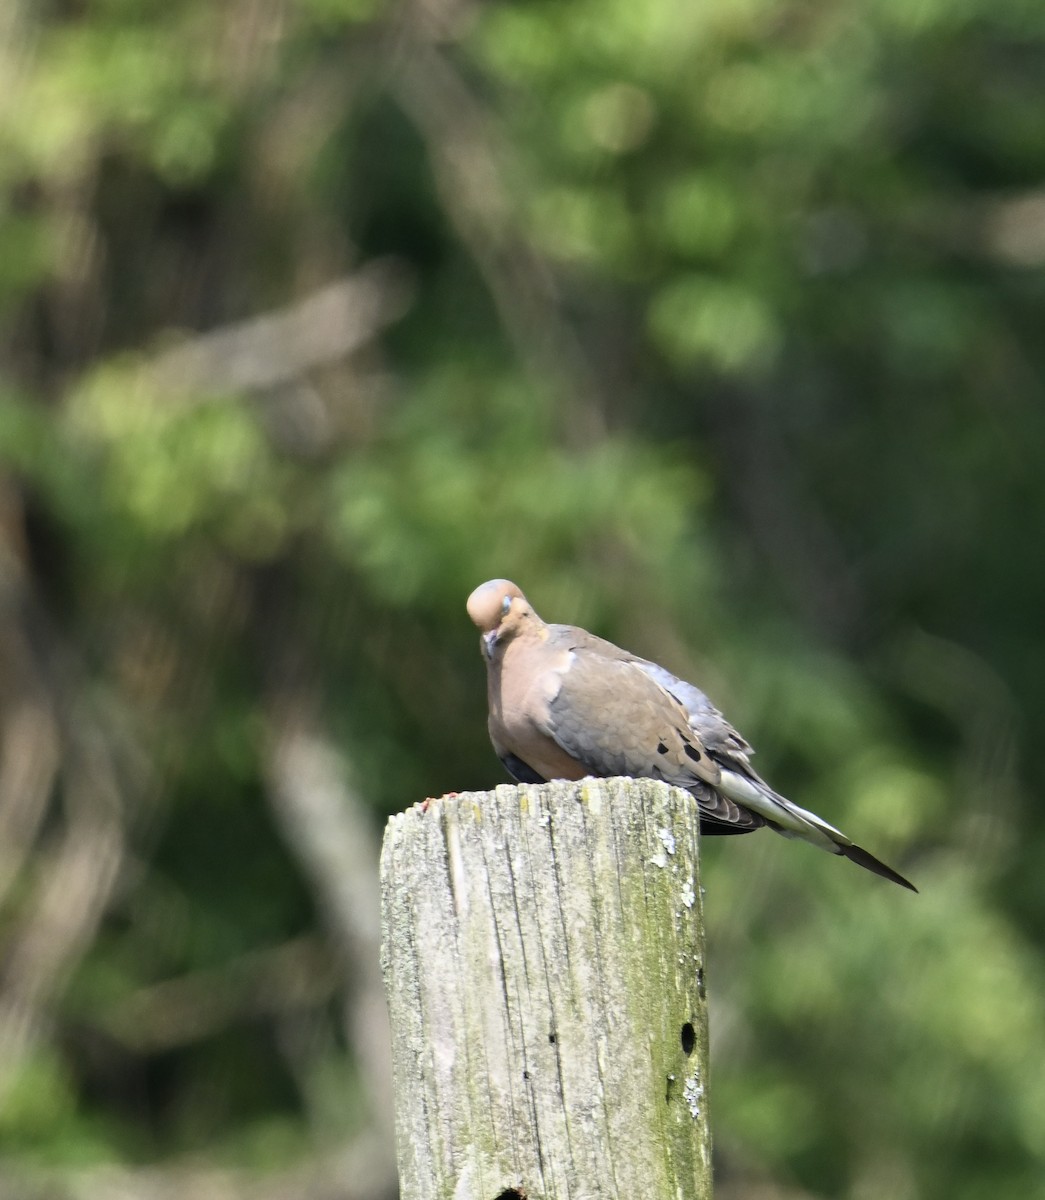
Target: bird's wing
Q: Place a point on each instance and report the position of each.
(602, 711)
(609, 716)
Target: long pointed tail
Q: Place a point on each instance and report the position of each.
(862, 858)
(788, 819)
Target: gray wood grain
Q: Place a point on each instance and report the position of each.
(544, 964)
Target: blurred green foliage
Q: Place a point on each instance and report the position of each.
(721, 335)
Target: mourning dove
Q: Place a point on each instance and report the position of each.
(565, 704)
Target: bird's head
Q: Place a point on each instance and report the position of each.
(500, 611)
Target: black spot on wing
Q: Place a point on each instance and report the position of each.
(692, 752)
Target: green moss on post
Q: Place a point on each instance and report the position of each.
(544, 963)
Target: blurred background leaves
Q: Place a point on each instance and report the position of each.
(719, 330)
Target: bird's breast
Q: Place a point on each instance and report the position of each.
(519, 698)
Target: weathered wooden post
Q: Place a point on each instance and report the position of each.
(543, 957)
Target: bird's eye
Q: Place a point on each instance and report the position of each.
(506, 604)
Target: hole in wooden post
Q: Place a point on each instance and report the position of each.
(689, 1039)
(512, 1194)
(552, 1038)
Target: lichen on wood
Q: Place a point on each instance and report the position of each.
(544, 964)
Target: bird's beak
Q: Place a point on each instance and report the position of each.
(489, 642)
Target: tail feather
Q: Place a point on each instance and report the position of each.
(788, 819)
(862, 858)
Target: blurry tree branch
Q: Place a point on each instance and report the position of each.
(963, 685)
(331, 832)
(792, 530)
(468, 166)
(1013, 229)
(29, 750)
(47, 737)
(280, 346)
(295, 975)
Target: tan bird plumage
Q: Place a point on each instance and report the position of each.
(565, 704)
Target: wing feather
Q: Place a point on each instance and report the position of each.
(613, 718)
